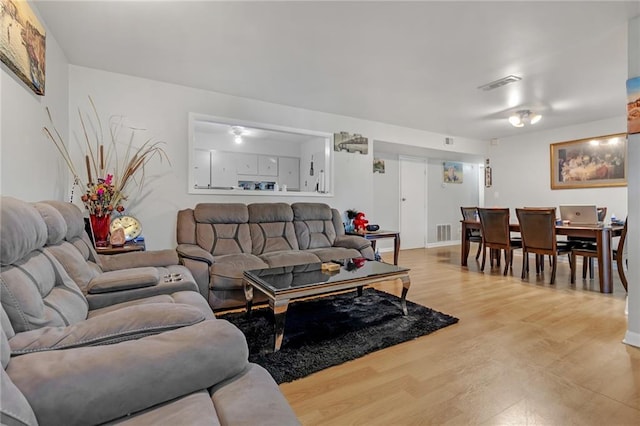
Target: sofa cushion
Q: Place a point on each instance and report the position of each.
(93, 385)
(37, 292)
(56, 225)
(335, 253)
(289, 258)
(224, 238)
(227, 271)
(23, 230)
(191, 298)
(194, 409)
(14, 407)
(76, 234)
(313, 224)
(74, 263)
(271, 228)
(129, 323)
(268, 406)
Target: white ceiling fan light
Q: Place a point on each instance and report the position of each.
(525, 116)
(238, 132)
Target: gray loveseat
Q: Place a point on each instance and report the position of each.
(219, 241)
(155, 358)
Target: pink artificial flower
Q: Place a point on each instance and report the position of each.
(108, 179)
(100, 191)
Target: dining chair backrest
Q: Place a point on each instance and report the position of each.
(469, 213)
(494, 223)
(537, 227)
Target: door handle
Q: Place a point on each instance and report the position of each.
(404, 199)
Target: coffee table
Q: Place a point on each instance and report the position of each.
(282, 284)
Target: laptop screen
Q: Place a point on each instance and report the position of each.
(579, 214)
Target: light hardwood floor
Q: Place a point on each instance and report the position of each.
(523, 352)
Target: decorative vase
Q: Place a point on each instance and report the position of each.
(100, 228)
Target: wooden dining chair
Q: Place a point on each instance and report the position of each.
(494, 223)
(590, 252)
(538, 230)
(473, 235)
(620, 256)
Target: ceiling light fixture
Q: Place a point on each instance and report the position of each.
(238, 132)
(525, 116)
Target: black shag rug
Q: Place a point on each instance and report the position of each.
(328, 331)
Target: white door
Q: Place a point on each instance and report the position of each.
(413, 203)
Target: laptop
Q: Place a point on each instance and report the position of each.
(580, 214)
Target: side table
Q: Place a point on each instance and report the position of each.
(378, 235)
(128, 247)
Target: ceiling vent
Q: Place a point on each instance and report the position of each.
(499, 83)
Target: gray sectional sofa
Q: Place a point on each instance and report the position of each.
(219, 241)
(87, 340)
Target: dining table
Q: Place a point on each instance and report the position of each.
(603, 235)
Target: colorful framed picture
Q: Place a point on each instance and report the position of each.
(589, 163)
(633, 105)
(378, 165)
(452, 172)
(23, 43)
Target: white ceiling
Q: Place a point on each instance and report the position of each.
(414, 64)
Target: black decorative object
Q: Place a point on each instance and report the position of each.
(332, 330)
(373, 228)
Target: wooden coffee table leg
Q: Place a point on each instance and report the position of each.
(359, 290)
(248, 295)
(279, 309)
(406, 283)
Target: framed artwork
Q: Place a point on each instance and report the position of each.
(345, 141)
(487, 177)
(633, 105)
(22, 43)
(378, 165)
(452, 172)
(589, 163)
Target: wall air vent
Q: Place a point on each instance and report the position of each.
(443, 232)
(499, 83)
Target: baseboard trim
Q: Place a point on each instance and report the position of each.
(443, 244)
(632, 339)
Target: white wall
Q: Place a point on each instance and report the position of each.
(386, 198)
(163, 109)
(444, 199)
(30, 168)
(521, 170)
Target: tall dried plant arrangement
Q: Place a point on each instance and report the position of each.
(110, 174)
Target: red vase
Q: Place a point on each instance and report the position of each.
(100, 228)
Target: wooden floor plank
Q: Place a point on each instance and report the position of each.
(524, 352)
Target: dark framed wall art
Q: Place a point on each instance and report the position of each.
(589, 163)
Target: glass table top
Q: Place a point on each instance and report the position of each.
(308, 275)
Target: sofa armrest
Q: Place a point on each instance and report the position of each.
(194, 252)
(352, 242)
(93, 385)
(156, 258)
(126, 279)
(129, 323)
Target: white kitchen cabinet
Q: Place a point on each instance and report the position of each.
(223, 169)
(289, 172)
(201, 168)
(267, 165)
(247, 164)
